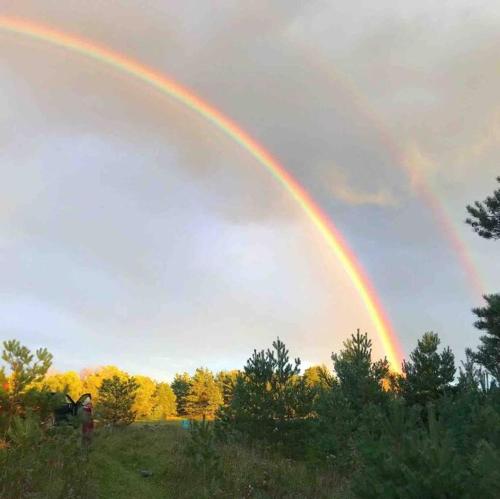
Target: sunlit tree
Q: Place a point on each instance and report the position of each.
(181, 386)
(164, 402)
(116, 400)
(144, 397)
(92, 381)
(24, 368)
(204, 397)
(68, 382)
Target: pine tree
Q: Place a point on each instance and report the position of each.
(486, 216)
(204, 397)
(226, 380)
(23, 367)
(428, 374)
(116, 399)
(360, 380)
(181, 386)
(269, 397)
(488, 352)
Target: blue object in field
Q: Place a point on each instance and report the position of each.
(185, 424)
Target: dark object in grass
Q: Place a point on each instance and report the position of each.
(146, 473)
(66, 412)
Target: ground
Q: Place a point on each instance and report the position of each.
(118, 457)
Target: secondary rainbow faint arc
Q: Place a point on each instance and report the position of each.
(173, 89)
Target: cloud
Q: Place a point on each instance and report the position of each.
(344, 192)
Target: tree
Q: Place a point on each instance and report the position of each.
(68, 382)
(428, 374)
(488, 352)
(144, 397)
(318, 377)
(204, 397)
(92, 380)
(116, 399)
(360, 380)
(164, 402)
(24, 370)
(226, 380)
(270, 399)
(181, 386)
(486, 216)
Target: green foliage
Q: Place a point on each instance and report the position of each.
(350, 406)
(23, 367)
(428, 374)
(181, 386)
(413, 459)
(204, 397)
(42, 463)
(360, 380)
(226, 380)
(270, 400)
(202, 452)
(488, 352)
(116, 399)
(486, 216)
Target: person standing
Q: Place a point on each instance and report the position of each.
(87, 421)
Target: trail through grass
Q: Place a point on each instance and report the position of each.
(118, 456)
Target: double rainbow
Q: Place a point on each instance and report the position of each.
(176, 91)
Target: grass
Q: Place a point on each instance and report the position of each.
(118, 456)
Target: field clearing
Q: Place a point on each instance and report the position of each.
(118, 456)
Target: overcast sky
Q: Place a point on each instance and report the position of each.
(133, 232)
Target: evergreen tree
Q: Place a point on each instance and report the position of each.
(23, 368)
(428, 374)
(486, 216)
(116, 399)
(226, 380)
(204, 397)
(360, 379)
(488, 353)
(181, 386)
(270, 399)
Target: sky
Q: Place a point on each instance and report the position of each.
(133, 232)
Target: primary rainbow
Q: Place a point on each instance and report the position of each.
(168, 86)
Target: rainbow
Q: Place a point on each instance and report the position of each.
(313, 58)
(176, 91)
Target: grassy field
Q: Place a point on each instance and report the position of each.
(117, 458)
